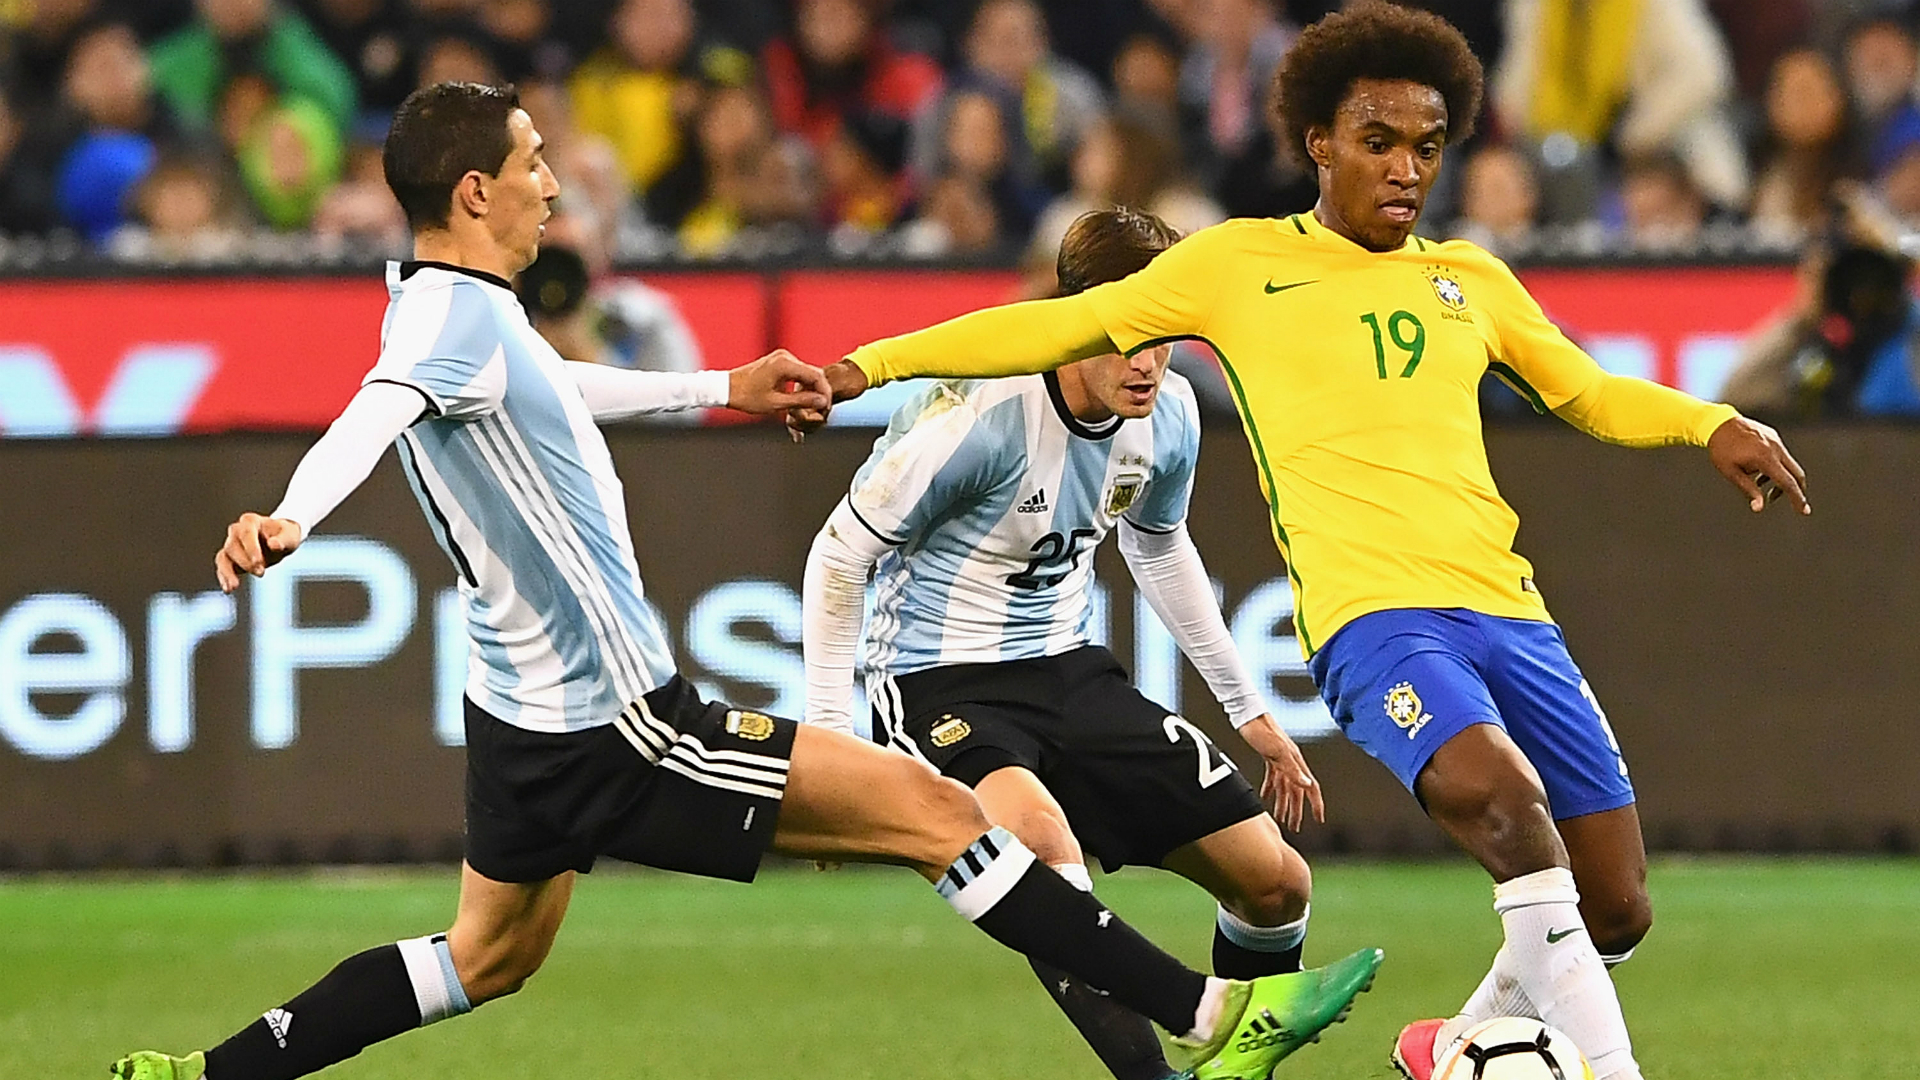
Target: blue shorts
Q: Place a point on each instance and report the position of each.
(1402, 682)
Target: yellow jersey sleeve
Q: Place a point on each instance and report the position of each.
(1557, 376)
(1172, 297)
(1014, 339)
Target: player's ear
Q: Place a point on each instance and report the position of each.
(1319, 146)
(470, 194)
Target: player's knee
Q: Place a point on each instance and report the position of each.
(1047, 834)
(1499, 811)
(1616, 929)
(1275, 893)
(495, 969)
(951, 818)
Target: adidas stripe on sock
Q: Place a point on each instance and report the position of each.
(1023, 904)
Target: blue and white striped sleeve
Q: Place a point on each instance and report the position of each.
(446, 344)
(1176, 440)
(935, 452)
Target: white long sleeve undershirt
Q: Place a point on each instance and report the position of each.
(380, 411)
(349, 450)
(834, 597)
(1167, 568)
(620, 394)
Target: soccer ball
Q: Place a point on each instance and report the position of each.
(1512, 1048)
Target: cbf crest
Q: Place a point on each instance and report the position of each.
(1405, 710)
(1446, 286)
(1125, 490)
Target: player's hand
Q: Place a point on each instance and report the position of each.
(254, 543)
(845, 381)
(1751, 455)
(776, 383)
(1289, 787)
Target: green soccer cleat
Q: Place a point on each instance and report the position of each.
(1267, 1019)
(153, 1065)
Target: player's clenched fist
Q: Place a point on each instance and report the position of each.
(844, 382)
(254, 543)
(775, 383)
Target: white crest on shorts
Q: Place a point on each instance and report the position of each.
(1404, 709)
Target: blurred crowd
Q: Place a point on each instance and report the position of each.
(198, 130)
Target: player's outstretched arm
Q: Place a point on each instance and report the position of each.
(329, 472)
(1014, 339)
(772, 384)
(833, 599)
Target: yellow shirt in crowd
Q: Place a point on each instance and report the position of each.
(1357, 377)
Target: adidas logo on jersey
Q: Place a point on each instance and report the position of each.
(1035, 505)
(279, 1021)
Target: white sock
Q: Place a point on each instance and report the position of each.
(1213, 1002)
(1550, 955)
(1499, 994)
(1266, 939)
(1075, 874)
(436, 987)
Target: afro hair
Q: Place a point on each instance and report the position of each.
(1374, 39)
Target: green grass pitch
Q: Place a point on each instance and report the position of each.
(1757, 970)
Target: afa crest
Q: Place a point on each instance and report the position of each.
(951, 729)
(1405, 710)
(1447, 288)
(752, 726)
(1123, 493)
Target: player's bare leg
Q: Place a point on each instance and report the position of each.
(502, 931)
(848, 799)
(1483, 792)
(501, 935)
(1015, 798)
(1263, 887)
(1609, 859)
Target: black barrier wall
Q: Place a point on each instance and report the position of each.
(1761, 672)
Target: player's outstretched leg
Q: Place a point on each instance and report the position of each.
(500, 936)
(848, 799)
(1481, 789)
(1263, 887)
(1122, 1039)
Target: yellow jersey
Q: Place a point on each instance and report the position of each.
(1357, 378)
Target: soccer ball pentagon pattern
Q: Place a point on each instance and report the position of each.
(1512, 1048)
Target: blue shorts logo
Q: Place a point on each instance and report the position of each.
(1403, 708)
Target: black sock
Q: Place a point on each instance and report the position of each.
(368, 997)
(1243, 951)
(1021, 903)
(1123, 1039)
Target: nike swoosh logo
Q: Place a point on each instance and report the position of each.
(1556, 938)
(1272, 288)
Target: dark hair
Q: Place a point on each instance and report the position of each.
(440, 134)
(1375, 40)
(1107, 245)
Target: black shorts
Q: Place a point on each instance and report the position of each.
(1135, 780)
(675, 783)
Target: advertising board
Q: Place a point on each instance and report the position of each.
(148, 357)
(1758, 669)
